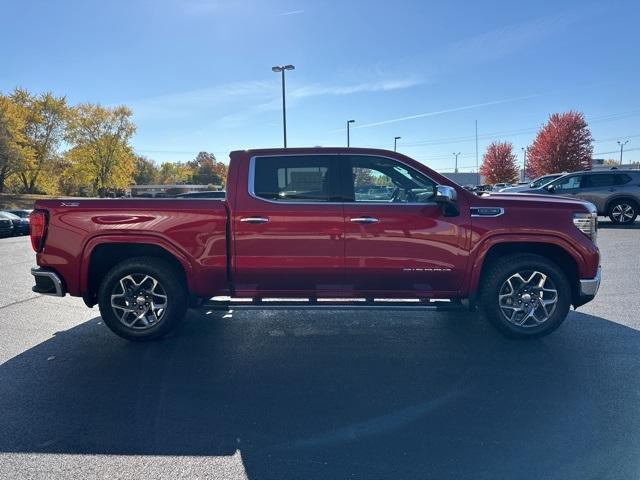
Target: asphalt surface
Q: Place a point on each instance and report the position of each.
(331, 395)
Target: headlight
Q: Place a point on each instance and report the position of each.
(587, 223)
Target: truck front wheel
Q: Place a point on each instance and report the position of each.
(525, 296)
(142, 298)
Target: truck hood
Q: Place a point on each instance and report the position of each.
(531, 200)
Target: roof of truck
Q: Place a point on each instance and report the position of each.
(299, 150)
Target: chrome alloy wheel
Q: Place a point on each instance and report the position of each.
(623, 213)
(528, 298)
(139, 301)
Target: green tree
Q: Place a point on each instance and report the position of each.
(145, 171)
(45, 118)
(174, 173)
(101, 151)
(203, 169)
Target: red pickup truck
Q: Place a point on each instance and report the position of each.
(332, 228)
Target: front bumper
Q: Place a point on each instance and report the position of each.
(589, 287)
(47, 283)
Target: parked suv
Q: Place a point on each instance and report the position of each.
(615, 193)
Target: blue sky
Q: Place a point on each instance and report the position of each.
(197, 73)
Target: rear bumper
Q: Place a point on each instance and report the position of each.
(47, 283)
(589, 287)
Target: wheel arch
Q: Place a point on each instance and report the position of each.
(101, 256)
(565, 260)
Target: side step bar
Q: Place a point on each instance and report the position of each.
(332, 304)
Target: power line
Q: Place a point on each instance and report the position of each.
(513, 132)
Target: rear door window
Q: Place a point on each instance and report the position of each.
(599, 180)
(622, 179)
(295, 178)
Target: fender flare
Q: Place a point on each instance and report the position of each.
(130, 238)
(479, 253)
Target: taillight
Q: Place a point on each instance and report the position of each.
(38, 225)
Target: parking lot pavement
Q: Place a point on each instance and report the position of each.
(325, 395)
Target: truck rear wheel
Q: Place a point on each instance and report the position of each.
(525, 296)
(142, 298)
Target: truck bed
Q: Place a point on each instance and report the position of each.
(192, 230)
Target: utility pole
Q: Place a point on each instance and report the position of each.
(395, 143)
(456, 155)
(524, 164)
(348, 135)
(281, 69)
(622, 144)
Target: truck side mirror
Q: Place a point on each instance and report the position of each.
(448, 197)
(551, 188)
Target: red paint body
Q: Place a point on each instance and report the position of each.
(313, 249)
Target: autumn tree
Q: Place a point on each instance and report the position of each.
(499, 163)
(145, 171)
(174, 172)
(45, 118)
(101, 153)
(14, 152)
(207, 170)
(562, 145)
(221, 170)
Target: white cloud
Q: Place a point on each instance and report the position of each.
(447, 110)
(380, 86)
(292, 12)
(233, 103)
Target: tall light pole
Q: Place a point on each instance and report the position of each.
(622, 144)
(477, 167)
(524, 164)
(281, 69)
(456, 155)
(395, 143)
(349, 122)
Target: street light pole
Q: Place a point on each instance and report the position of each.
(456, 155)
(524, 164)
(395, 143)
(349, 122)
(622, 144)
(281, 69)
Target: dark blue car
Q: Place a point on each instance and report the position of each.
(21, 226)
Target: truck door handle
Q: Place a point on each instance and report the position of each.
(364, 220)
(254, 219)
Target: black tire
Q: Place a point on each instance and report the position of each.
(157, 323)
(494, 283)
(623, 211)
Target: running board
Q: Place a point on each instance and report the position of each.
(297, 304)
